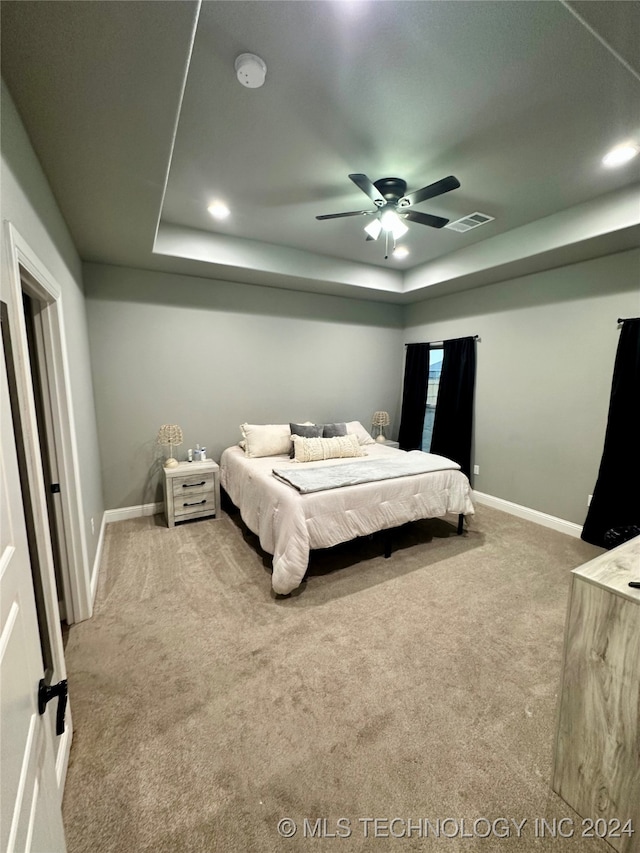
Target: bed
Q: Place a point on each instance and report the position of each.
(289, 524)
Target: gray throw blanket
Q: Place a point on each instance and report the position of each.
(318, 479)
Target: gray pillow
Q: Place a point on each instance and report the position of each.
(306, 431)
(333, 430)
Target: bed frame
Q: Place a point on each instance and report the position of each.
(388, 536)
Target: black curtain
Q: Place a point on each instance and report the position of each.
(614, 514)
(414, 396)
(453, 420)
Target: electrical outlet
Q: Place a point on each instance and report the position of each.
(589, 500)
(476, 469)
(93, 527)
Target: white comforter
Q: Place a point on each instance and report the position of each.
(289, 524)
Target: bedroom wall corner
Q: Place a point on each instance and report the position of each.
(544, 369)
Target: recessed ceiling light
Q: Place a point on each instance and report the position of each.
(219, 210)
(400, 252)
(620, 154)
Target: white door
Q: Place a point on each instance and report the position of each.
(30, 808)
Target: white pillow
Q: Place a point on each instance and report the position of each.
(356, 428)
(316, 449)
(266, 439)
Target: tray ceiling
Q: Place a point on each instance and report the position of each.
(136, 114)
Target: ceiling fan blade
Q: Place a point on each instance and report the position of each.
(425, 218)
(348, 213)
(443, 186)
(363, 183)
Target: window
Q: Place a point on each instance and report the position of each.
(435, 369)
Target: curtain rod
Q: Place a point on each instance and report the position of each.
(624, 319)
(475, 338)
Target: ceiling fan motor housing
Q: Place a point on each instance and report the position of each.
(392, 189)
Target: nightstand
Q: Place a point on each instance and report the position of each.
(191, 490)
(388, 443)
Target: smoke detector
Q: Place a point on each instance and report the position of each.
(250, 70)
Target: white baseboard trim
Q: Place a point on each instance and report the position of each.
(108, 516)
(64, 749)
(96, 563)
(534, 515)
(126, 512)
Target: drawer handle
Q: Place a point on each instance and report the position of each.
(193, 485)
(197, 503)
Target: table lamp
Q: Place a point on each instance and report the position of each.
(380, 420)
(170, 434)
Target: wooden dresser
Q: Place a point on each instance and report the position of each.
(597, 750)
(191, 490)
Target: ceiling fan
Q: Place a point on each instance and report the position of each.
(393, 204)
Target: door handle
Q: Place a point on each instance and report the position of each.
(47, 692)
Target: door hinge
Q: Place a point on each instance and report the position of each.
(55, 488)
(47, 692)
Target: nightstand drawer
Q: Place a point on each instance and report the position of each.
(196, 484)
(193, 505)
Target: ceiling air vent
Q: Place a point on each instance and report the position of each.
(474, 220)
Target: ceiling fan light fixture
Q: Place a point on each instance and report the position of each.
(620, 155)
(390, 221)
(399, 230)
(390, 196)
(219, 210)
(373, 229)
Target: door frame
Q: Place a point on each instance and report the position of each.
(31, 791)
(26, 272)
(22, 269)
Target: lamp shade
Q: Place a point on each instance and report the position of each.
(380, 419)
(373, 229)
(390, 221)
(170, 434)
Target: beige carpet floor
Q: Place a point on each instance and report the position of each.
(424, 686)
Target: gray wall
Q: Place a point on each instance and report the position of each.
(544, 370)
(209, 355)
(28, 203)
